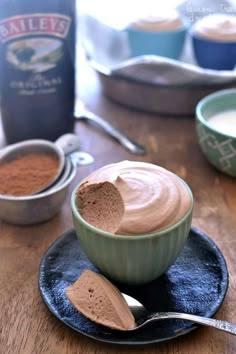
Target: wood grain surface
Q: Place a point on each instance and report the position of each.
(26, 325)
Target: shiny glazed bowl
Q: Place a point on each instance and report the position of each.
(32, 209)
(164, 43)
(213, 54)
(132, 259)
(219, 148)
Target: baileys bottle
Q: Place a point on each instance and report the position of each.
(37, 72)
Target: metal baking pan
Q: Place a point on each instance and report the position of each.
(148, 83)
(170, 99)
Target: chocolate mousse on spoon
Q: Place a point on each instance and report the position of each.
(100, 301)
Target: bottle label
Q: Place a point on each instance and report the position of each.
(33, 46)
(37, 85)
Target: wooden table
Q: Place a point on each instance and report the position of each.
(26, 325)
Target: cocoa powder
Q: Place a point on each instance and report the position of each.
(27, 174)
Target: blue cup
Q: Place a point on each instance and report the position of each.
(163, 43)
(213, 54)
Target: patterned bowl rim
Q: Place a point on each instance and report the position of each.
(200, 117)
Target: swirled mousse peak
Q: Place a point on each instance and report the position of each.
(163, 21)
(219, 27)
(145, 198)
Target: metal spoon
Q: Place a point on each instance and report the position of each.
(143, 317)
(82, 114)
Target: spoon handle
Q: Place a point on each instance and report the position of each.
(221, 325)
(128, 143)
(68, 143)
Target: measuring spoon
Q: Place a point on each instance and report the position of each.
(62, 147)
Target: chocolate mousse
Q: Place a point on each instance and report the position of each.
(101, 205)
(153, 198)
(164, 21)
(100, 301)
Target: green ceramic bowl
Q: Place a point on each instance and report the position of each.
(132, 259)
(219, 148)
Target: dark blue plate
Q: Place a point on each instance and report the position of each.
(196, 283)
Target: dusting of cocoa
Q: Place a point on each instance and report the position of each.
(27, 174)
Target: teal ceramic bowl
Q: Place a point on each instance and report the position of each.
(163, 43)
(132, 259)
(219, 148)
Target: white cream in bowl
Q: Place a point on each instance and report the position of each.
(224, 122)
